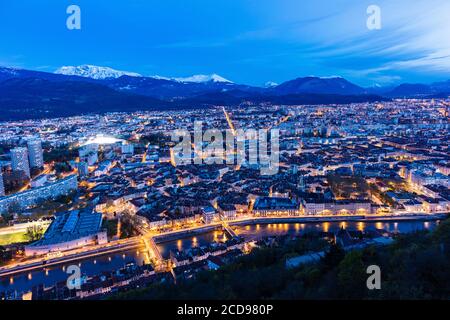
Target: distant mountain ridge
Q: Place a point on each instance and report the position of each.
(418, 90)
(37, 98)
(73, 90)
(333, 85)
(103, 73)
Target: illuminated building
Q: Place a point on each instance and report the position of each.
(323, 206)
(83, 169)
(266, 206)
(68, 231)
(31, 197)
(35, 153)
(89, 154)
(2, 187)
(19, 160)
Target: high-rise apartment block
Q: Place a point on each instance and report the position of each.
(19, 160)
(2, 186)
(35, 153)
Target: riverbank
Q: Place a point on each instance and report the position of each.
(42, 264)
(174, 235)
(412, 217)
(362, 218)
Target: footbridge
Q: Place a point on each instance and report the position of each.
(229, 230)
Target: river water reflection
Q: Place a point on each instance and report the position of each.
(254, 232)
(89, 267)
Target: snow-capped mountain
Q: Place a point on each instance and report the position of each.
(94, 72)
(9, 70)
(270, 84)
(200, 78)
(102, 73)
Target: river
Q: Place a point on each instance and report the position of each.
(89, 267)
(254, 232)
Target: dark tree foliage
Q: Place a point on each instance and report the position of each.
(61, 154)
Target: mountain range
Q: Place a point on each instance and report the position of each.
(73, 90)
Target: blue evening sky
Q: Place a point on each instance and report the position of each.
(246, 41)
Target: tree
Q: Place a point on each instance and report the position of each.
(5, 255)
(34, 233)
(352, 276)
(62, 167)
(61, 154)
(333, 256)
